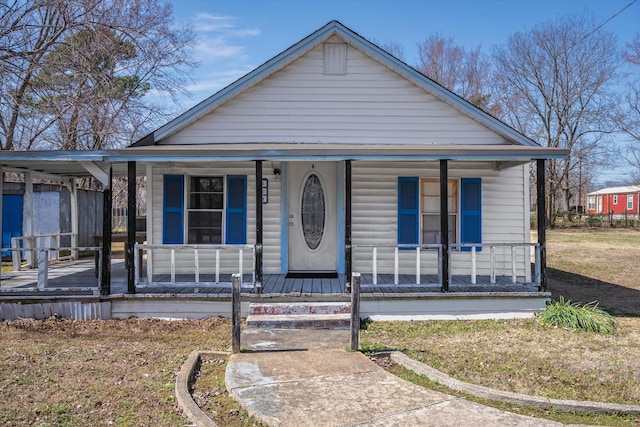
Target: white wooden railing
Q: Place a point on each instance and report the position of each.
(33, 242)
(456, 250)
(473, 249)
(41, 254)
(396, 259)
(195, 250)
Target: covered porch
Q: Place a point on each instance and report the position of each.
(419, 268)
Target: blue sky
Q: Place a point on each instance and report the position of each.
(235, 36)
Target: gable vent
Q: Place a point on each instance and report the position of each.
(335, 58)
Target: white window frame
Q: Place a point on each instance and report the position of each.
(458, 205)
(591, 203)
(188, 209)
(629, 201)
(615, 199)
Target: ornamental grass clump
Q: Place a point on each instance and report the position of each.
(565, 314)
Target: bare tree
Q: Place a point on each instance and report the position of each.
(555, 87)
(629, 117)
(467, 73)
(75, 74)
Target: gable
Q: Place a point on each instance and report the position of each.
(307, 103)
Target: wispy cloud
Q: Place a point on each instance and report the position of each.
(219, 37)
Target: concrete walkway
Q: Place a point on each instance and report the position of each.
(308, 378)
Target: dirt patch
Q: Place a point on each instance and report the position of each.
(210, 394)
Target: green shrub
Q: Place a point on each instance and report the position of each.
(587, 317)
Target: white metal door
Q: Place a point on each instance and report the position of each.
(312, 215)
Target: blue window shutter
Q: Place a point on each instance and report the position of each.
(471, 211)
(173, 210)
(408, 210)
(236, 224)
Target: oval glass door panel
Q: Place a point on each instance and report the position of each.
(312, 211)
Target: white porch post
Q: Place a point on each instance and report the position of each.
(73, 191)
(1, 195)
(149, 229)
(29, 226)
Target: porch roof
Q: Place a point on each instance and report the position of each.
(69, 164)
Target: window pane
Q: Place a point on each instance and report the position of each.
(312, 212)
(206, 201)
(205, 227)
(431, 210)
(207, 184)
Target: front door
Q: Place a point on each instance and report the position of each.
(312, 216)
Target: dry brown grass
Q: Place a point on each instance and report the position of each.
(596, 265)
(524, 357)
(119, 372)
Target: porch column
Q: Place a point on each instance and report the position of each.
(105, 285)
(73, 195)
(29, 226)
(258, 259)
(131, 227)
(444, 223)
(2, 197)
(347, 223)
(542, 222)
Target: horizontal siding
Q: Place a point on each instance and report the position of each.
(229, 259)
(370, 104)
(375, 190)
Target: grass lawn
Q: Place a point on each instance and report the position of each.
(524, 357)
(98, 373)
(122, 372)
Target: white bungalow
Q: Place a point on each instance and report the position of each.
(331, 158)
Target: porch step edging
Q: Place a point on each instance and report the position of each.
(309, 315)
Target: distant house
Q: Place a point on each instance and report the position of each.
(616, 201)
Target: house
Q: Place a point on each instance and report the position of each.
(333, 157)
(619, 202)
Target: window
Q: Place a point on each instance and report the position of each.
(206, 204)
(630, 201)
(213, 211)
(591, 203)
(431, 211)
(615, 199)
(419, 211)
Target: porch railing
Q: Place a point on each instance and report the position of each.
(473, 249)
(195, 251)
(456, 249)
(25, 243)
(41, 255)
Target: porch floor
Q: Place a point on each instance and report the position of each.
(81, 274)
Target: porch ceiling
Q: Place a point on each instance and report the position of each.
(70, 164)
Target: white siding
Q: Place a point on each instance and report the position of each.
(370, 104)
(375, 188)
(229, 261)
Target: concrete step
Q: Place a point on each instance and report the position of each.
(300, 315)
(300, 321)
(299, 308)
